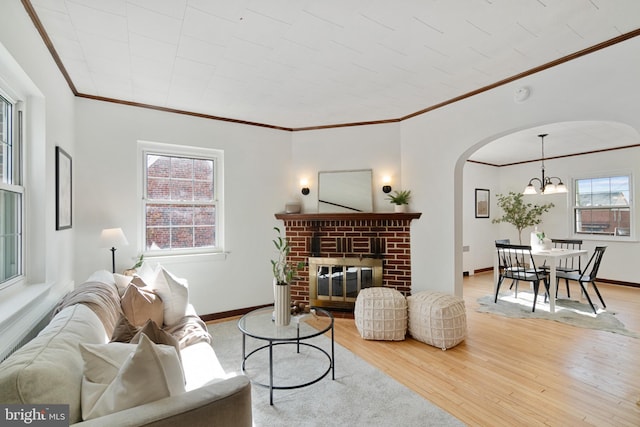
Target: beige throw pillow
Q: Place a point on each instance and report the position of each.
(142, 304)
(119, 376)
(156, 335)
(124, 330)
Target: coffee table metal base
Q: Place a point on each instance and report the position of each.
(270, 347)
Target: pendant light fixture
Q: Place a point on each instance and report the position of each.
(547, 186)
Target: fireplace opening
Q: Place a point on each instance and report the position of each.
(335, 282)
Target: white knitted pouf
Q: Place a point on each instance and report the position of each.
(437, 318)
(381, 314)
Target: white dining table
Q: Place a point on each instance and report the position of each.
(552, 257)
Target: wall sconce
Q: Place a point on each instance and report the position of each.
(304, 183)
(386, 188)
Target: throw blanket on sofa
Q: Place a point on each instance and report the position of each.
(100, 297)
(190, 330)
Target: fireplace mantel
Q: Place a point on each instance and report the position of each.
(384, 236)
(349, 216)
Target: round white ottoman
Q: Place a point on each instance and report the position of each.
(381, 314)
(437, 318)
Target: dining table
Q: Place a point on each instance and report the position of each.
(552, 257)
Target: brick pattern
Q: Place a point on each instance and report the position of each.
(388, 239)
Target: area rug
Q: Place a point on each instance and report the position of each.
(360, 395)
(568, 311)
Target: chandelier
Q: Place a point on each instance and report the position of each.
(547, 185)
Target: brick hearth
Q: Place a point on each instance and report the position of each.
(377, 235)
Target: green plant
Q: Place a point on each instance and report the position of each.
(139, 263)
(400, 197)
(518, 213)
(283, 271)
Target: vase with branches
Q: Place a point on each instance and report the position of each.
(518, 213)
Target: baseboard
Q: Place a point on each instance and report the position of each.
(609, 281)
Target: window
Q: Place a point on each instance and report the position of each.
(11, 193)
(603, 206)
(181, 203)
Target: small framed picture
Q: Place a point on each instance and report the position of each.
(482, 203)
(63, 189)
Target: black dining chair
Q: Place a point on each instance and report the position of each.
(516, 262)
(586, 276)
(568, 265)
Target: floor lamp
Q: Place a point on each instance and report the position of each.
(110, 238)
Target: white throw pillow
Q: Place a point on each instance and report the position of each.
(122, 282)
(119, 376)
(174, 293)
(102, 276)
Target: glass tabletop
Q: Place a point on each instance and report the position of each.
(259, 324)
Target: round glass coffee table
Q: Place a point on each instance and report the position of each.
(258, 324)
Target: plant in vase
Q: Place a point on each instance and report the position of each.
(518, 213)
(400, 199)
(283, 272)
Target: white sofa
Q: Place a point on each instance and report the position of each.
(50, 370)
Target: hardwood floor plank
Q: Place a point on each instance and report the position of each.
(521, 371)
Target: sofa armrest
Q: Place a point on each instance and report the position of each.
(218, 403)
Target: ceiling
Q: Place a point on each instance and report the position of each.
(295, 64)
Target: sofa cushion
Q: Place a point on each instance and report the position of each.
(119, 376)
(48, 369)
(142, 304)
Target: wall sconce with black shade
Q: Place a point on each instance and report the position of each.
(386, 188)
(112, 237)
(305, 187)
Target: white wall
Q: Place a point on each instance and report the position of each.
(361, 147)
(479, 233)
(27, 67)
(256, 185)
(557, 222)
(599, 86)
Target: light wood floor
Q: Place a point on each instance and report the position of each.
(520, 372)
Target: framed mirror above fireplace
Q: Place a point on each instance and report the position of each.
(345, 191)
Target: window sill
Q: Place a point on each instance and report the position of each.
(20, 298)
(191, 257)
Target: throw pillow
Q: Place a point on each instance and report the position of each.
(119, 376)
(142, 304)
(156, 335)
(124, 330)
(122, 282)
(174, 293)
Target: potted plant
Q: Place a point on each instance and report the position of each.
(283, 272)
(400, 199)
(518, 213)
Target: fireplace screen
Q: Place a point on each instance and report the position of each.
(336, 282)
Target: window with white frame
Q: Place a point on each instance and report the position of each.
(11, 193)
(602, 205)
(180, 201)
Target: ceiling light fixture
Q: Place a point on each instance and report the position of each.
(547, 185)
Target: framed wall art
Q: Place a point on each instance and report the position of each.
(63, 189)
(482, 203)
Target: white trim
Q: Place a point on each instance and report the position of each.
(632, 208)
(217, 156)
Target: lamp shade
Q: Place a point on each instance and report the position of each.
(529, 189)
(112, 237)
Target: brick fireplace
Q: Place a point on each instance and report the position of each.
(383, 236)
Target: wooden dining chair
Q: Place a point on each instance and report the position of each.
(515, 262)
(586, 276)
